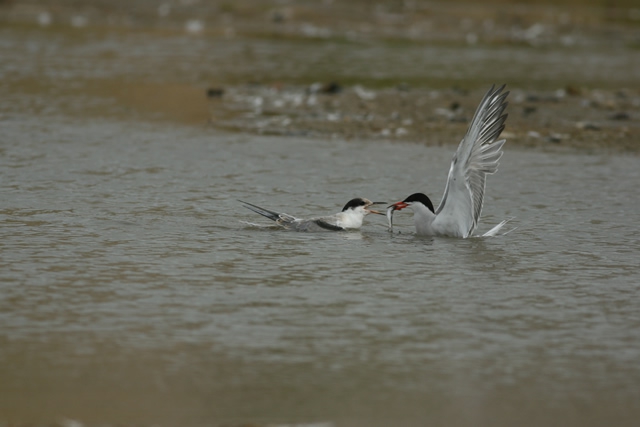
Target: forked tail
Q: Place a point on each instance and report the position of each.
(494, 231)
(274, 216)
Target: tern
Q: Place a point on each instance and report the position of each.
(476, 157)
(351, 217)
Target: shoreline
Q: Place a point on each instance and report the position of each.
(401, 71)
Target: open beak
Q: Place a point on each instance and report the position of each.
(373, 211)
(398, 206)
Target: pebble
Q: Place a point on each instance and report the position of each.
(215, 92)
(587, 126)
(619, 116)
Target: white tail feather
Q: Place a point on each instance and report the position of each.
(494, 231)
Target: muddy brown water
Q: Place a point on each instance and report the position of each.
(133, 292)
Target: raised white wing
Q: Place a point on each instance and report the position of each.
(476, 157)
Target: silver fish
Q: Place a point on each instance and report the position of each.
(390, 210)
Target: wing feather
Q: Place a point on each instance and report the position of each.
(476, 157)
(280, 218)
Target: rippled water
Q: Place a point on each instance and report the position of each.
(131, 292)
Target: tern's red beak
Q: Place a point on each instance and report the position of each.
(399, 206)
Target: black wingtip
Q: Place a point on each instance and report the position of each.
(262, 211)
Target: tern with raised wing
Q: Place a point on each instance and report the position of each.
(476, 157)
(351, 217)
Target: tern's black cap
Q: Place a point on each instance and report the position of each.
(354, 203)
(422, 198)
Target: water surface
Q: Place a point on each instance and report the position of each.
(131, 292)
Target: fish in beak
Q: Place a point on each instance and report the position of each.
(391, 209)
